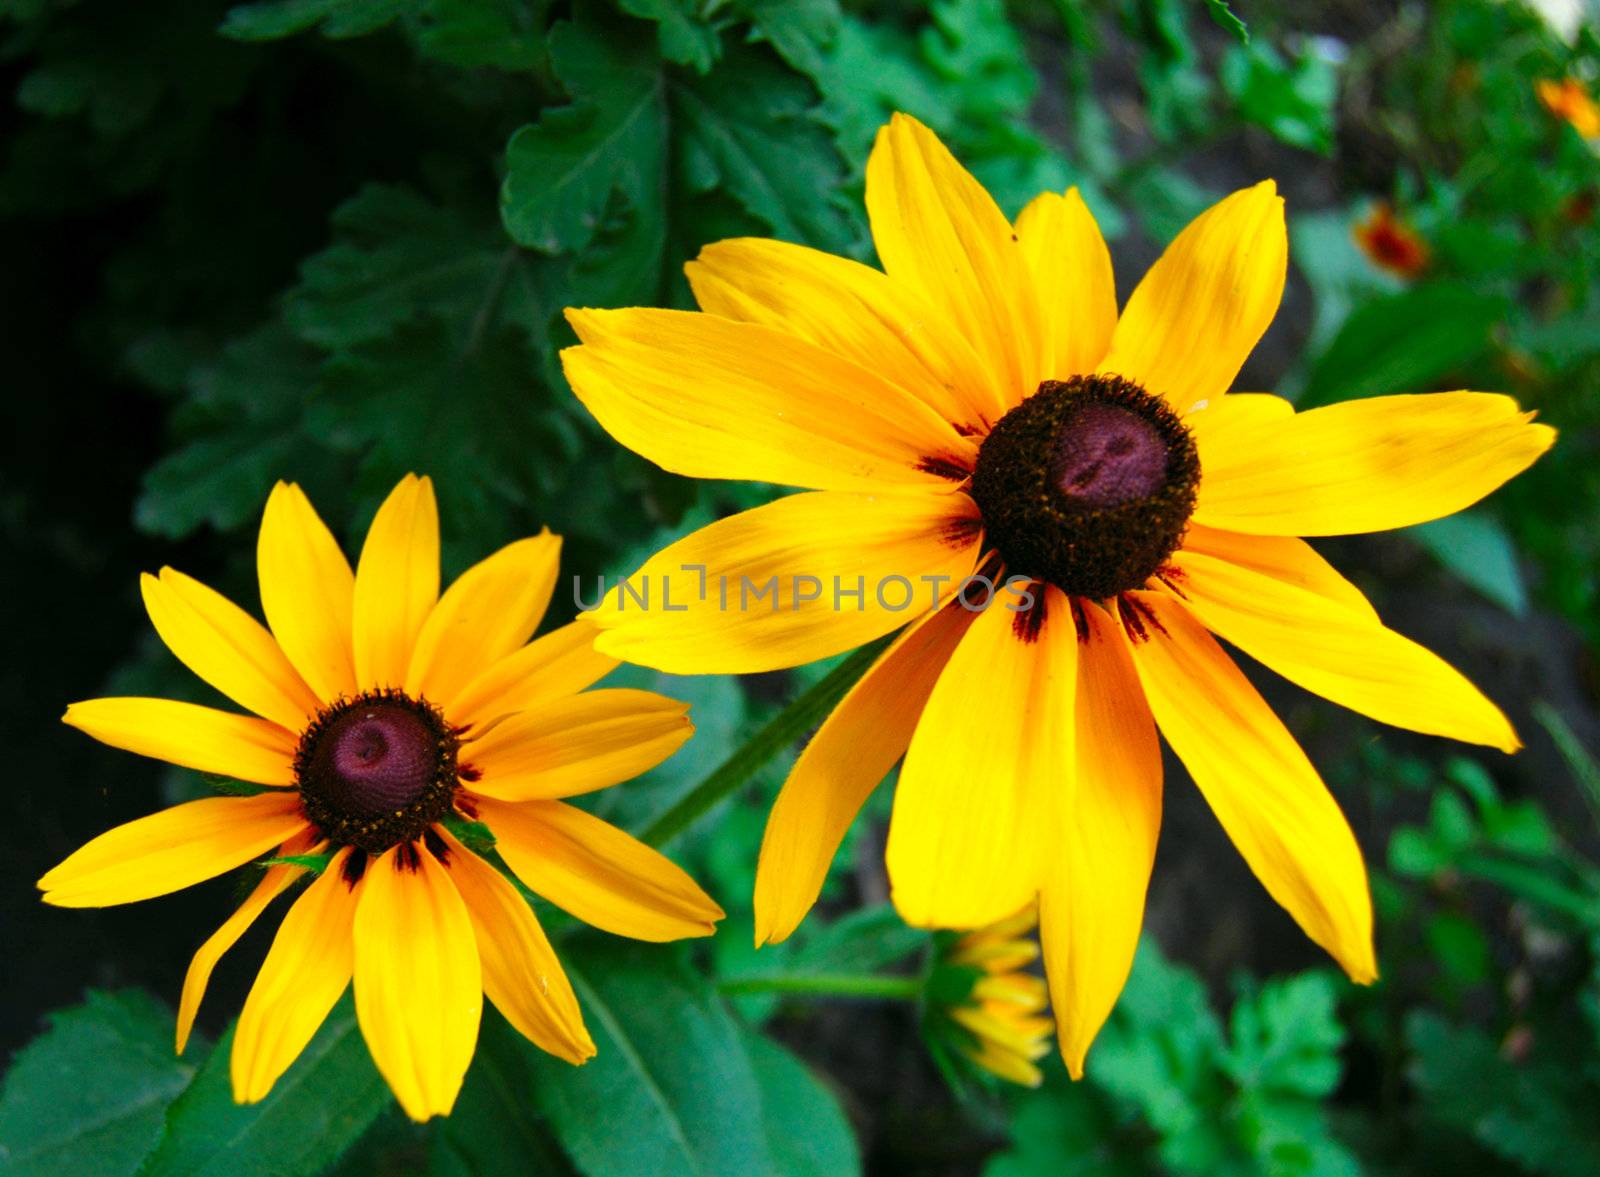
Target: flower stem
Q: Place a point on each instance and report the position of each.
(778, 735)
(828, 984)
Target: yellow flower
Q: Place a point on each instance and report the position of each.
(1002, 1014)
(1569, 101)
(979, 406)
(382, 711)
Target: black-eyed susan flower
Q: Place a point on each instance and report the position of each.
(1568, 100)
(1391, 243)
(382, 712)
(979, 407)
(998, 1014)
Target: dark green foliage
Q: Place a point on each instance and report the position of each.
(1165, 1080)
(331, 241)
(90, 1094)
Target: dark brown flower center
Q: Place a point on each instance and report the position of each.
(1088, 485)
(377, 770)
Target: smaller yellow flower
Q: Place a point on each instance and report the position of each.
(1569, 101)
(387, 718)
(1002, 1012)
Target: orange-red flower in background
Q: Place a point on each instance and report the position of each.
(1390, 243)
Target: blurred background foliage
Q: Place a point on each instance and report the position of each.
(330, 241)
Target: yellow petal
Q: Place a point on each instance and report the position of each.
(1367, 465)
(173, 849)
(853, 750)
(853, 311)
(1256, 779)
(576, 745)
(994, 742)
(1071, 268)
(202, 738)
(1193, 320)
(273, 883)
(591, 869)
(802, 578)
(227, 648)
(489, 611)
(939, 232)
(521, 974)
(1102, 845)
(1281, 557)
(1216, 419)
(419, 985)
(712, 398)
(397, 583)
(307, 591)
(304, 975)
(562, 662)
(1337, 653)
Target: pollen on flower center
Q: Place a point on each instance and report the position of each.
(377, 770)
(1088, 485)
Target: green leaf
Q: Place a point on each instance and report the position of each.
(806, 1128)
(315, 863)
(1293, 103)
(801, 31)
(599, 159)
(1539, 1118)
(244, 416)
(1477, 549)
(1286, 1038)
(89, 1094)
(1407, 342)
(1068, 1129)
(686, 37)
(398, 258)
(474, 835)
(749, 132)
(316, 1110)
(273, 19)
(678, 1093)
(1223, 15)
(491, 1133)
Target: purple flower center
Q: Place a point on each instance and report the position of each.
(377, 770)
(1106, 455)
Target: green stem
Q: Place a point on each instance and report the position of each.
(829, 985)
(777, 736)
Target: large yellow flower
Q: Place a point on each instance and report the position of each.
(382, 710)
(979, 405)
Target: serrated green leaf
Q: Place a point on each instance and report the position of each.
(749, 133)
(1286, 1038)
(89, 1095)
(564, 172)
(801, 31)
(398, 258)
(1224, 16)
(1538, 1118)
(318, 1108)
(686, 36)
(670, 1066)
